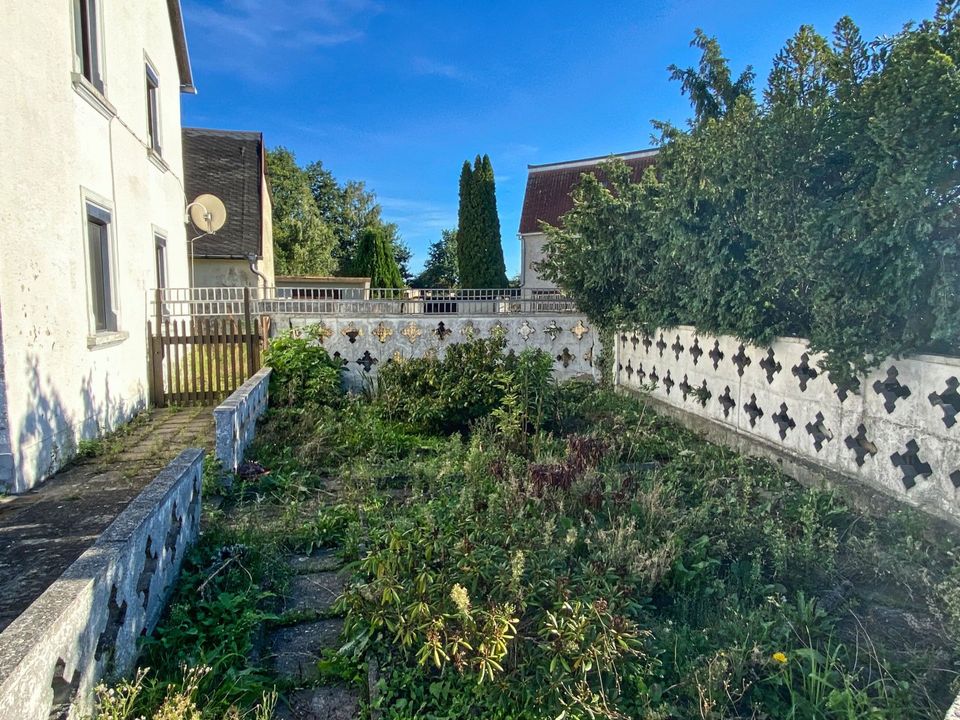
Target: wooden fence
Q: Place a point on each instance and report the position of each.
(202, 360)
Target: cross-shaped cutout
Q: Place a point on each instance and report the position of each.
(442, 331)
(367, 361)
(949, 402)
(741, 360)
(668, 382)
(955, 479)
(783, 421)
(753, 410)
(727, 401)
(351, 333)
(891, 390)
(647, 342)
(770, 365)
(703, 394)
(654, 378)
(634, 340)
(695, 351)
(819, 431)
(911, 465)
(716, 354)
(677, 348)
(661, 345)
(861, 445)
(845, 387)
(566, 358)
(629, 368)
(685, 387)
(640, 373)
(804, 373)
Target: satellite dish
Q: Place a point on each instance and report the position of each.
(208, 213)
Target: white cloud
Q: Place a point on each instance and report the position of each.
(419, 214)
(426, 66)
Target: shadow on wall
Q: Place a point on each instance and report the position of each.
(49, 433)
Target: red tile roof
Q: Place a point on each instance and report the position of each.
(547, 196)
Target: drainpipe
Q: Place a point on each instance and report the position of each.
(253, 268)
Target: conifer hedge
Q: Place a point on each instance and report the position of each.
(479, 249)
(828, 207)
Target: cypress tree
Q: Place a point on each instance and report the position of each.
(375, 259)
(479, 250)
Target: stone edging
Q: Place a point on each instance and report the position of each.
(236, 418)
(87, 625)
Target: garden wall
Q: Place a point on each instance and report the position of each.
(236, 418)
(365, 343)
(86, 626)
(898, 432)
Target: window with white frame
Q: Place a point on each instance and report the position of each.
(100, 267)
(160, 255)
(153, 109)
(88, 47)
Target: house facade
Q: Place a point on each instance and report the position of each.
(92, 202)
(233, 166)
(547, 198)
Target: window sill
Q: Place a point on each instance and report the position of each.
(157, 160)
(107, 338)
(92, 95)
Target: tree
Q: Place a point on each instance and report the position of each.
(303, 242)
(374, 259)
(349, 209)
(440, 270)
(479, 249)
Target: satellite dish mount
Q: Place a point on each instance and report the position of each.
(207, 213)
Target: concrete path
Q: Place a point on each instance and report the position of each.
(46, 529)
(295, 649)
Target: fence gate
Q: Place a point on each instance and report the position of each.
(200, 360)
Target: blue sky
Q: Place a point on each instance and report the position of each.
(399, 94)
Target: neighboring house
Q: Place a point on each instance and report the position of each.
(91, 199)
(232, 166)
(547, 198)
(321, 287)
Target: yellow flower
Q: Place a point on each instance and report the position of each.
(780, 658)
(460, 598)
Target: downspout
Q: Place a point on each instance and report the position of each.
(253, 268)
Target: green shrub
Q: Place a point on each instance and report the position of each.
(303, 372)
(473, 380)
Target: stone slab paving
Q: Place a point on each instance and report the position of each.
(43, 531)
(296, 649)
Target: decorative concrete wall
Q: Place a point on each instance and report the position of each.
(237, 417)
(87, 624)
(364, 344)
(898, 432)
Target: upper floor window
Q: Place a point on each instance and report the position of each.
(87, 41)
(153, 109)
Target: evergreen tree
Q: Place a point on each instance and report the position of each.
(375, 259)
(440, 270)
(479, 249)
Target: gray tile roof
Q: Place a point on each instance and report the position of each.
(228, 164)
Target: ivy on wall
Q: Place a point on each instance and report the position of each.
(827, 206)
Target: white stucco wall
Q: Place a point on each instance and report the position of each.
(532, 253)
(57, 146)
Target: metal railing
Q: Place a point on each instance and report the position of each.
(169, 303)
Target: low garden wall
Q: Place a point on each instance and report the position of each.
(362, 344)
(899, 432)
(236, 418)
(86, 625)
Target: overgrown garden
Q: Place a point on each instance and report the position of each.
(523, 549)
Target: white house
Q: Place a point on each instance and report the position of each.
(547, 198)
(92, 210)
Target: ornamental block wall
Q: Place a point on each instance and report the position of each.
(898, 432)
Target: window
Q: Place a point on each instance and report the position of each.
(153, 109)
(160, 253)
(87, 41)
(100, 265)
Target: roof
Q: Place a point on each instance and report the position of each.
(180, 47)
(230, 165)
(547, 196)
(323, 278)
